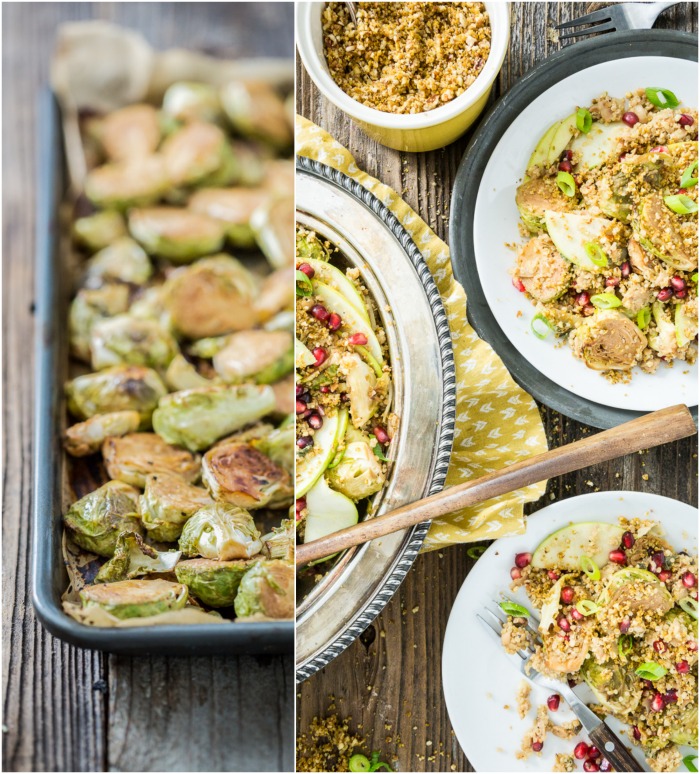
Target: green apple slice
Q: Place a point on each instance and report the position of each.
(328, 511)
(541, 153)
(599, 145)
(561, 138)
(563, 549)
(334, 278)
(311, 465)
(303, 356)
(572, 231)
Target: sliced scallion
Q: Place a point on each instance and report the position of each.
(605, 301)
(643, 318)
(690, 606)
(624, 646)
(475, 551)
(566, 183)
(379, 452)
(589, 567)
(584, 120)
(304, 286)
(694, 277)
(358, 763)
(587, 607)
(513, 608)
(681, 204)
(661, 98)
(689, 762)
(689, 176)
(596, 253)
(540, 326)
(650, 670)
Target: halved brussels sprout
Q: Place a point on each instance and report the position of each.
(667, 235)
(124, 260)
(685, 729)
(132, 132)
(256, 110)
(125, 184)
(89, 306)
(637, 590)
(279, 544)
(213, 297)
(175, 233)
(182, 375)
(266, 590)
(276, 294)
(122, 388)
(166, 504)
(127, 340)
(279, 177)
(273, 225)
(255, 432)
(149, 304)
(196, 418)
(255, 356)
(87, 437)
(232, 206)
(535, 196)
(132, 457)
(96, 520)
(361, 383)
(213, 582)
(542, 270)
(99, 229)
(608, 341)
(132, 557)
(615, 687)
(220, 531)
(279, 444)
(285, 397)
(187, 101)
(359, 473)
(242, 475)
(195, 153)
(135, 598)
(308, 245)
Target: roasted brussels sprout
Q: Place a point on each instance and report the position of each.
(99, 230)
(685, 729)
(125, 184)
(276, 295)
(266, 590)
(279, 177)
(122, 388)
(87, 437)
(615, 687)
(132, 558)
(133, 457)
(196, 418)
(89, 306)
(240, 474)
(279, 544)
(124, 261)
(232, 206)
(149, 304)
(96, 520)
(256, 110)
(135, 598)
(545, 274)
(670, 237)
(127, 340)
(279, 443)
(359, 473)
(186, 101)
(213, 297)
(198, 153)
(273, 226)
(166, 504)
(285, 396)
(182, 375)
(175, 233)
(255, 356)
(132, 132)
(608, 341)
(213, 582)
(220, 531)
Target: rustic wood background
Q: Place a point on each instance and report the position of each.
(66, 709)
(389, 680)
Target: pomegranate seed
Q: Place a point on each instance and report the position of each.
(657, 703)
(381, 434)
(301, 407)
(300, 389)
(590, 765)
(671, 696)
(553, 702)
(344, 397)
(693, 594)
(537, 746)
(678, 283)
(315, 420)
(320, 354)
(625, 625)
(522, 560)
(319, 312)
(627, 540)
(617, 556)
(582, 299)
(682, 191)
(553, 575)
(625, 269)
(648, 685)
(515, 573)
(658, 560)
(300, 504)
(692, 645)
(605, 765)
(630, 118)
(306, 269)
(612, 282)
(581, 751)
(659, 149)
(689, 580)
(659, 646)
(563, 624)
(636, 733)
(686, 120)
(681, 294)
(568, 155)
(567, 595)
(334, 322)
(665, 294)
(518, 285)
(357, 339)
(664, 576)
(305, 442)
(593, 752)
(565, 165)
(683, 667)
(576, 615)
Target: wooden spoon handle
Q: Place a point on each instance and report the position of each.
(653, 429)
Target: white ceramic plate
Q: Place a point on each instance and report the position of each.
(496, 224)
(478, 680)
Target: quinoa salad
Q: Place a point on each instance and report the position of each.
(609, 207)
(343, 392)
(617, 609)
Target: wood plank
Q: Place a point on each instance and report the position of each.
(391, 676)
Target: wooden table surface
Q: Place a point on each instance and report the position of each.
(67, 709)
(389, 680)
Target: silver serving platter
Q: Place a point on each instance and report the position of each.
(370, 237)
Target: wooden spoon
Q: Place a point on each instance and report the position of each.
(655, 429)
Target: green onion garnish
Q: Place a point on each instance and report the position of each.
(590, 567)
(375, 764)
(690, 606)
(587, 607)
(584, 120)
(624, 646)
(475, 551)
(539, 321)
(566, 183)
(687, 179)
(358, 763)
(661, 98)
(681, 204)
(605, 301)
(694, 277)
(596, 254)
(304, 286)
(643, 318)
(378, 452)
(650, 670)
(513, 608)
(688, 762)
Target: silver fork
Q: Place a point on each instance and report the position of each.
(625, 16)
(352, 10)
(598, 731)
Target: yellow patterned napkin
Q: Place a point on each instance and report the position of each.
(497, 422)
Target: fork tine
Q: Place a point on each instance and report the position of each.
(597, 16)
(487, 625)
(607, 27)
(498, 614)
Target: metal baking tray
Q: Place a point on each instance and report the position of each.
(49, 577)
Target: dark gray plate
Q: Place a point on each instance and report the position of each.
(603, 48)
